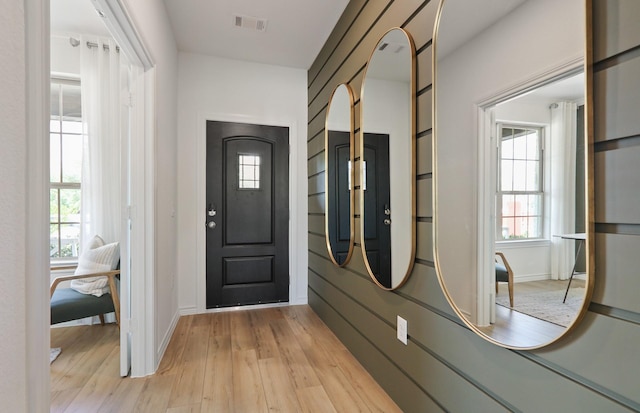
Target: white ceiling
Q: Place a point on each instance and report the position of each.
(569, 89)
(296, 29)
(76, 17)
(462, 20)
(466, 19)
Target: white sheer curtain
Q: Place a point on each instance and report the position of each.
(100, 88)
(563, 187)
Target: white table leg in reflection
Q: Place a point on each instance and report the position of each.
(580, 237)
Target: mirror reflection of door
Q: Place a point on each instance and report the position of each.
(247, 214)
(387, 152)
(377, 203)
(339, 176)
(339, 203)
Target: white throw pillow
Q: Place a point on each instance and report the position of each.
(93, 243)
(95, 258)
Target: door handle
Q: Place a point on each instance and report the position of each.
(387, 221)
(211, 212)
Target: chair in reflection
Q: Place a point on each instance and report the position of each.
(504, 273)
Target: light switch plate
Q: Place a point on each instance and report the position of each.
(402, 330)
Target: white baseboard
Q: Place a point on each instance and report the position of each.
(165, 340)
(246, 307)
(188, 310)
(88, 321)
(300, 300)
(580, 276)
(544, 277)
(191, 310)
(74, 323)
(530, 277)
(466, 314)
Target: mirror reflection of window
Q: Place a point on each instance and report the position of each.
(507, 166)
(520, 186)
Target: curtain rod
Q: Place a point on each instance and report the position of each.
(75, 42)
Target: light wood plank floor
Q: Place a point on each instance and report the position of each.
(280, 359)
(541, 286)
(520, 330)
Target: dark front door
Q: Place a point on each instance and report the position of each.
(339, 208)
(377, 206)
(247, 214)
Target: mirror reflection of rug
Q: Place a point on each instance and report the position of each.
(55, 352)
(547, 305)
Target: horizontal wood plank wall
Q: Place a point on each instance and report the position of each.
(445, 366)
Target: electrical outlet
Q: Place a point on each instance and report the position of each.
(402, 330)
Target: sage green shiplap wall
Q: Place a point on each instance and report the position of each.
(445, 366)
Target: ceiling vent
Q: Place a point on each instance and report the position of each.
(391, 47)
(252, 23)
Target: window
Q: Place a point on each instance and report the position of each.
(248, 171)
(65, 169)
(520, 185)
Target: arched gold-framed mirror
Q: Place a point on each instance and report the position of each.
(512, 155)
(339, 151)
(387, 160)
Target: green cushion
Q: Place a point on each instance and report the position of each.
(501, 273)
(68, 304)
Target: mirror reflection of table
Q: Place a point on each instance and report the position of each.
(580, 237)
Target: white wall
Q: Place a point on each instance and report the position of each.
(537, 37)
(65, 59)
(223, 89)
(13, 203)
(339, 117)
(151, 20)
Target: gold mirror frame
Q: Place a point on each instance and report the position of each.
(410, 221)
(351, 177)
(589, 196)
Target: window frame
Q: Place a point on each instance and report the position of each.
(540, 191)
(61, 184)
